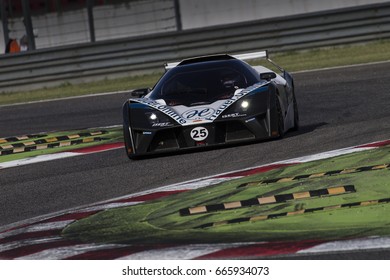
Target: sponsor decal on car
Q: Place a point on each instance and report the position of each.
(203, 114)
(234, 115)
(198, 113)
(237, 95)
(199, 133)
(165, 124)
(162, 108)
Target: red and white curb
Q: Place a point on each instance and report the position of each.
(40, 238)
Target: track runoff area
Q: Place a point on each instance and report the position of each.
(324, 203)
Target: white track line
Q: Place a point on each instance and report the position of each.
(68, 251)
(36, 228)
(185, 252)
(350, 245)
(49, 157)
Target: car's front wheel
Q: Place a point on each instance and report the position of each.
(296, 113)
(280, 119)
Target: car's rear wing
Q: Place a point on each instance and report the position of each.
(243, 56)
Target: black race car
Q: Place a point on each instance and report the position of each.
(209, 101)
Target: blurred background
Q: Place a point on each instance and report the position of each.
(63, 22)
(46, 43)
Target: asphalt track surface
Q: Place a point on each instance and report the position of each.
(338, 108)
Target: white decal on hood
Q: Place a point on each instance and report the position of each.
(237, 95)
(198, 113)
(162, 108)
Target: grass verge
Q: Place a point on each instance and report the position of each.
(159, 221)
(291, 61)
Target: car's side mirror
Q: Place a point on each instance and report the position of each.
(268, 76)
(140, 92)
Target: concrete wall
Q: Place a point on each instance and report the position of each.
(152, 16)
(200, 13)
(111, 21)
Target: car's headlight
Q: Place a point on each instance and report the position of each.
(245, 105)
(152, 118)
(157, 119)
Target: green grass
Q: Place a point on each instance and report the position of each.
(69, 90)
(334, 56)
(159, 221)
(291, 61)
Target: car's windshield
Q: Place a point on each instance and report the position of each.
(204, 86)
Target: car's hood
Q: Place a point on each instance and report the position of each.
(205, 113)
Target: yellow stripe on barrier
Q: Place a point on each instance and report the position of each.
(65, 144)
(317, 175)
(258, 218)
(198, 210)
(378, 167)
(296, 212)
(336, 190)
(88, 140)
(287, 179)
(347, 171)
(6, 147)
(42, 146)
(301, 195)
(371, 202)
(51, 140)
(333, 207)
(232, 205)
(19, 150)
(266, 200)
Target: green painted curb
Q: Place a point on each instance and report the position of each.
(21, 147)
(350, 203)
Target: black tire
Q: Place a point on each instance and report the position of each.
(126, 132)
(280, 119)
(296, 113)
(126, 137)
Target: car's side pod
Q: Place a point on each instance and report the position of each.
(287, 76)
(273, 111)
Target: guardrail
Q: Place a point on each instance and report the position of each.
(146, 54)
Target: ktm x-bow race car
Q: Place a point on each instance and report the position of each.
(210, 101)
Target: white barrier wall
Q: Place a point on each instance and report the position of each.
(153, 16)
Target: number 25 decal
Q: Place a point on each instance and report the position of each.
(199, 133)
